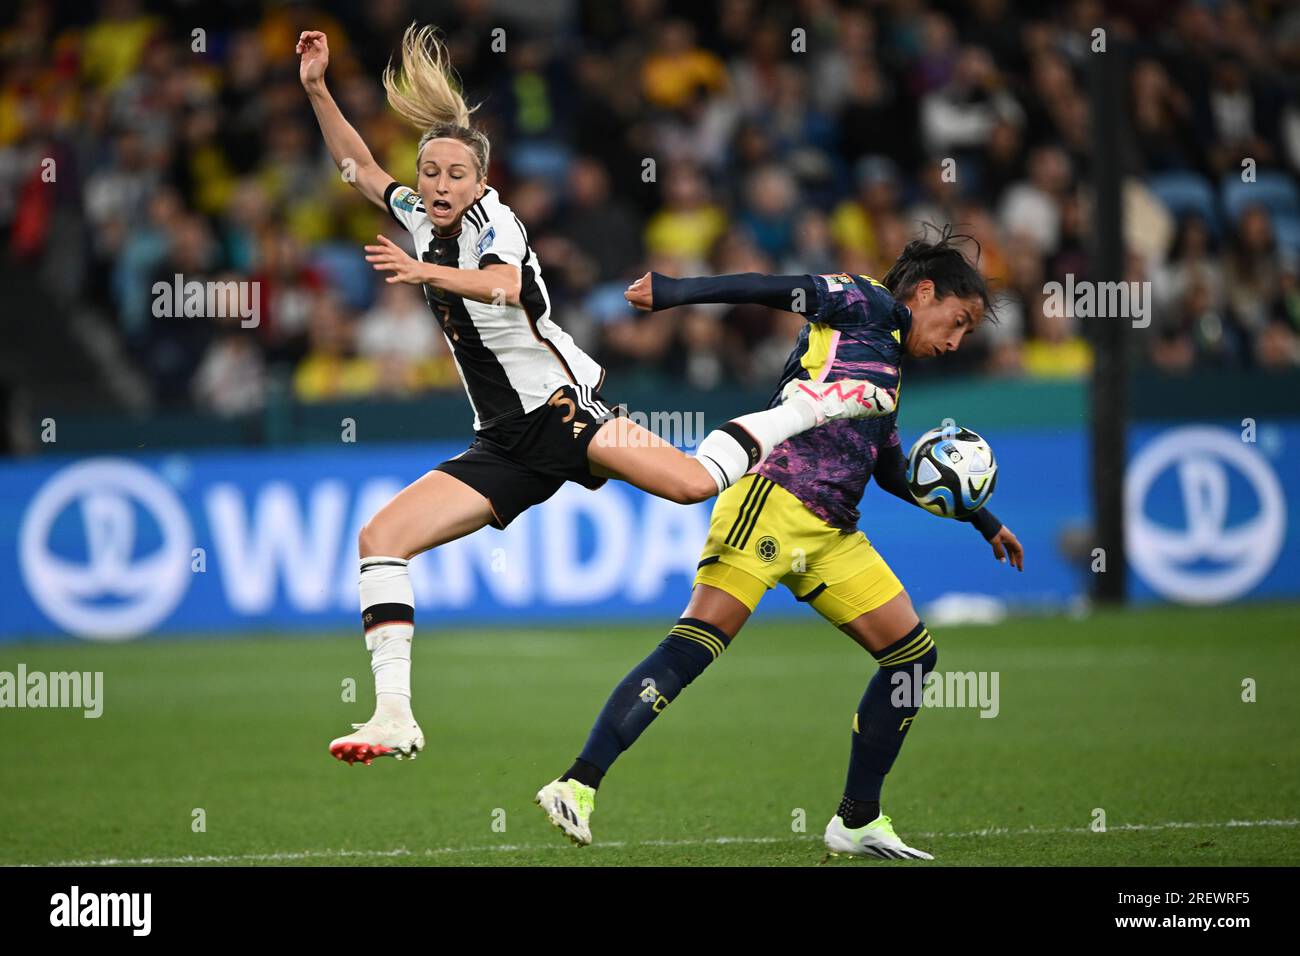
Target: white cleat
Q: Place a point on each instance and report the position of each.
(835, 401)
(379, 737)
(876, 839)
(569, 806)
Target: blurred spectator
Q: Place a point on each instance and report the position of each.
(113, 45)
(1237, 115)
(856, 220)
(231, 379)
(400, 323)
(1277, 347)
(289, 285)
(401, 335)
(1192, 264)
(772, 200)
(959, 117)
(1055, 350)
(767, 156)
(702, 343)
(1032, 207)
(331, 369)
(601, 227)
(1161, 120)
(690, 220)
(677, 68)
(871, 103)
(814, 248)
(1005, 337)
(1253, 272)
(172, 342)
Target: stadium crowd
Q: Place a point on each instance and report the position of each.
(686, 138)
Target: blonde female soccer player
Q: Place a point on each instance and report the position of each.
(539, 417)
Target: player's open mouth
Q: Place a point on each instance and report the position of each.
(441, 205)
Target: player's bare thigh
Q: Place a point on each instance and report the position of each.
(430, 511)
(624, 450)
(877, 629)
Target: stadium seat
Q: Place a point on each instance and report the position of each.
(1184, 193)
(1286, 229)
(1276, 192)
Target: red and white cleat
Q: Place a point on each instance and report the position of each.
(834, 401)
(379, 737)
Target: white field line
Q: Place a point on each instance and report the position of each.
(402, 853)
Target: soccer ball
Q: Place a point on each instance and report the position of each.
(951, 471)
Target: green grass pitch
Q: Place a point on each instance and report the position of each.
(1137, 713)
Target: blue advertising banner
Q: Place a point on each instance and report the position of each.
(1208, 519)
(115, 547)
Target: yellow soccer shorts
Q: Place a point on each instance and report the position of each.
(761, 535)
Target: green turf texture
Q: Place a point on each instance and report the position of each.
(1138, 713)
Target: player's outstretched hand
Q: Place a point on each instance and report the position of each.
(315, 53)
(1006, 546)
(390, 257)
(639, 294)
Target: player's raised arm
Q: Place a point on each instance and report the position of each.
(344, 142)
(653, 292)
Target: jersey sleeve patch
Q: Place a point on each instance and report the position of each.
(502, 241)
(404, 205)
(840, 302)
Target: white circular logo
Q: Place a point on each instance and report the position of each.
(112, 593)
(1207, 560)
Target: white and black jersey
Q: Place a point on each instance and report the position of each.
(511, 358)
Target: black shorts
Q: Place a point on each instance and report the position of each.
(523, 461)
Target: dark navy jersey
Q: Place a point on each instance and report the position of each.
(856, 332)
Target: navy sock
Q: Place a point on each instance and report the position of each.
(887, 711)
(585, 773)
(858, 813)
(652, 685)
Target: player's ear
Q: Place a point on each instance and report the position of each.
(924, 291)
(482, 185)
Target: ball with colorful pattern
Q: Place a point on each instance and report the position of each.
(951, 471)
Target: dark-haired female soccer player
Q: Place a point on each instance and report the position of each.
(801, 503)
(539, 418)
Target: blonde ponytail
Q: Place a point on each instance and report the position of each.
(422, 92)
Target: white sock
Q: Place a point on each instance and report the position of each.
(388, 615)
(730, 452)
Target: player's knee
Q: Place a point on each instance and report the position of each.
(930, 660)
(916, 648)
(376, 539)
(369, 540)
